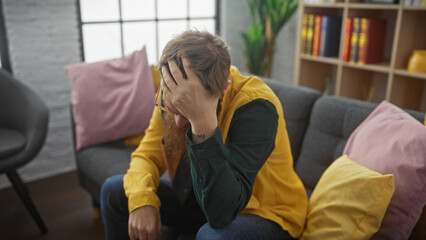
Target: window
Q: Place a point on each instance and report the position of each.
(115, 28)
(4, 52)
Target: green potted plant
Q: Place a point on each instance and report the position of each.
(259, 41)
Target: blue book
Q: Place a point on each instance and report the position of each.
(330, 36)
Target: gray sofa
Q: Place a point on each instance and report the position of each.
(318, 128)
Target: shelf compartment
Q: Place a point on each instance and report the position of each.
(377, 67)
(324, 5)
(363, 84)
(317, 3)
(329, 60)
(412, 36)
(362, 2)
(313, 74)
(406, 73)
(326, 10)
(373, 6)
(390, 16)
(408, 92)
(414, 8)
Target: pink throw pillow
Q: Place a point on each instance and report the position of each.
(390, 141)
(111, 99)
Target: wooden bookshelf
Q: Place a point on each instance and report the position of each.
(388, 80)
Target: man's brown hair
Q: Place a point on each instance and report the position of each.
(207, 53)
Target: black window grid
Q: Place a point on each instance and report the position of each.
(156, 20)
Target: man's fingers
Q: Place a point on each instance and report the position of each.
(168, 98)
(188, 70)
(151, 235)
(166, 91)
(176, 72)
(168, 80)
(164, 86)
(132, 234)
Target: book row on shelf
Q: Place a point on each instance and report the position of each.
(363, 41)
(321, 35)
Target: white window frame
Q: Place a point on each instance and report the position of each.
(156, 20)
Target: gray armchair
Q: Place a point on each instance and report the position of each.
(23, 127)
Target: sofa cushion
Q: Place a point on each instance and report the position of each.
(390, 141)
(111, 99)
(133, 141)
(332, 121)
(348, 202)
(297, 103)
(97, 163)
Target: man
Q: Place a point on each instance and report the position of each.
(223, 140)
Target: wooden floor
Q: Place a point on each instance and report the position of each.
(67, 211)
(64, 206)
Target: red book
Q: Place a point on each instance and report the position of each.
(317, 35)
(348, 37)
(371, 40)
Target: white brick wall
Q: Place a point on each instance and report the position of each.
(43, 39)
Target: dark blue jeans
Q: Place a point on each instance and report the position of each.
(245, 227)
(182, 219)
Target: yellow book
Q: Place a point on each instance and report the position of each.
(310, 34)
(355, 40)
(362, 42)
(304, 32)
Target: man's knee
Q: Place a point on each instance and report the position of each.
(206, 232)
(112, 188)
